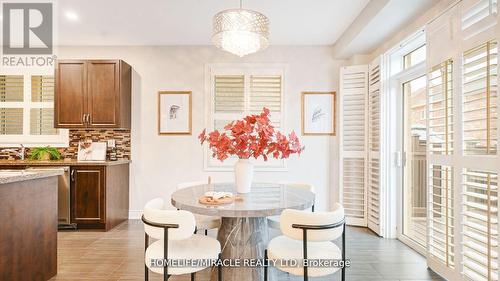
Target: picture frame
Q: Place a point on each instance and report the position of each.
(174, 113)
(319, 113)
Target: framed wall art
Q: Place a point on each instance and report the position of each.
(319, 113)
(174, 113)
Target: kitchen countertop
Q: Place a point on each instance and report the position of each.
(10, 176)
(71, 162)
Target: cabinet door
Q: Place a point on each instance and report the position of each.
(104, 93)
(71, 94)
(88, 195)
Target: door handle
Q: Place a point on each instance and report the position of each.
(88, 119)
(73, 175)
(84, 118)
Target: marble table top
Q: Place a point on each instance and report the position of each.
(265, 199)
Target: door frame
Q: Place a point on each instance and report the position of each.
(397, 82)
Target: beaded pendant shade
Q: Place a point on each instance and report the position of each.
(240, 31)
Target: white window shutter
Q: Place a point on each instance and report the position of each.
(441, 216)
(353, 143)
(477, 17)
(440, 106)
(479, 98)
(440, 183)
(229, 94)
(480, 225)
(374, 211)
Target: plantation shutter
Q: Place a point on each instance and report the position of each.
(265, 91)
(374, 211)
(42, 88)
(11, 99)
(441, 215)
(238, 91)
(11, 121)
(42, 98)
(480, 100)
(353, 151)
(441, 194)
(229, 93)
(480, 182)
(478, 16)
(440, 105)
(11, 88)
(480, 225)
(462, 151)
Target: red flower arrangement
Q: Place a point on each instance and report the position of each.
(252, 136)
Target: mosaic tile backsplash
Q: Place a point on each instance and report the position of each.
(122, 138)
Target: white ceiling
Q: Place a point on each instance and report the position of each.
(388, 20)
(189, 22)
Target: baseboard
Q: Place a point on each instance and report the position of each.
(134, 214)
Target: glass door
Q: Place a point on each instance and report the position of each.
(414, 195)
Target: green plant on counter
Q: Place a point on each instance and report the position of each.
(45, 153)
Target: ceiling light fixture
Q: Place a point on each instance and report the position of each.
(240, 31)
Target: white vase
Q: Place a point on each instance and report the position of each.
(243, 172)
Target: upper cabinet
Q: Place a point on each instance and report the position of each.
(93, 94)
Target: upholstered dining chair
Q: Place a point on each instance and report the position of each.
(202, 222)
(274, 221)
(309, 236)
(173, 230)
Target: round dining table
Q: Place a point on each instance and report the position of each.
(244, 234)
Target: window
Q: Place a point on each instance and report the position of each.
(414, 57)
(27, 111)
(237, 91)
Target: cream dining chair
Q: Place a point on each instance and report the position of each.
(309, 236)
(173, 230)
(274, 221)
(202, 222)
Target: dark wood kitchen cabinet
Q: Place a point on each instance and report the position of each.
(93, 94)
(87, 195)
(99, 196)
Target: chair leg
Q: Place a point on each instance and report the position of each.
(146, 244)
(192, 276)
(304, 251)
(219, 269)
(265, 265)
(343, 254)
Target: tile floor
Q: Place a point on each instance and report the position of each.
(118, 255)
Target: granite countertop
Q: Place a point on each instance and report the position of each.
(72, 162)
(10, 176)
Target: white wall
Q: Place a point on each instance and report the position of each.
(159, 163)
